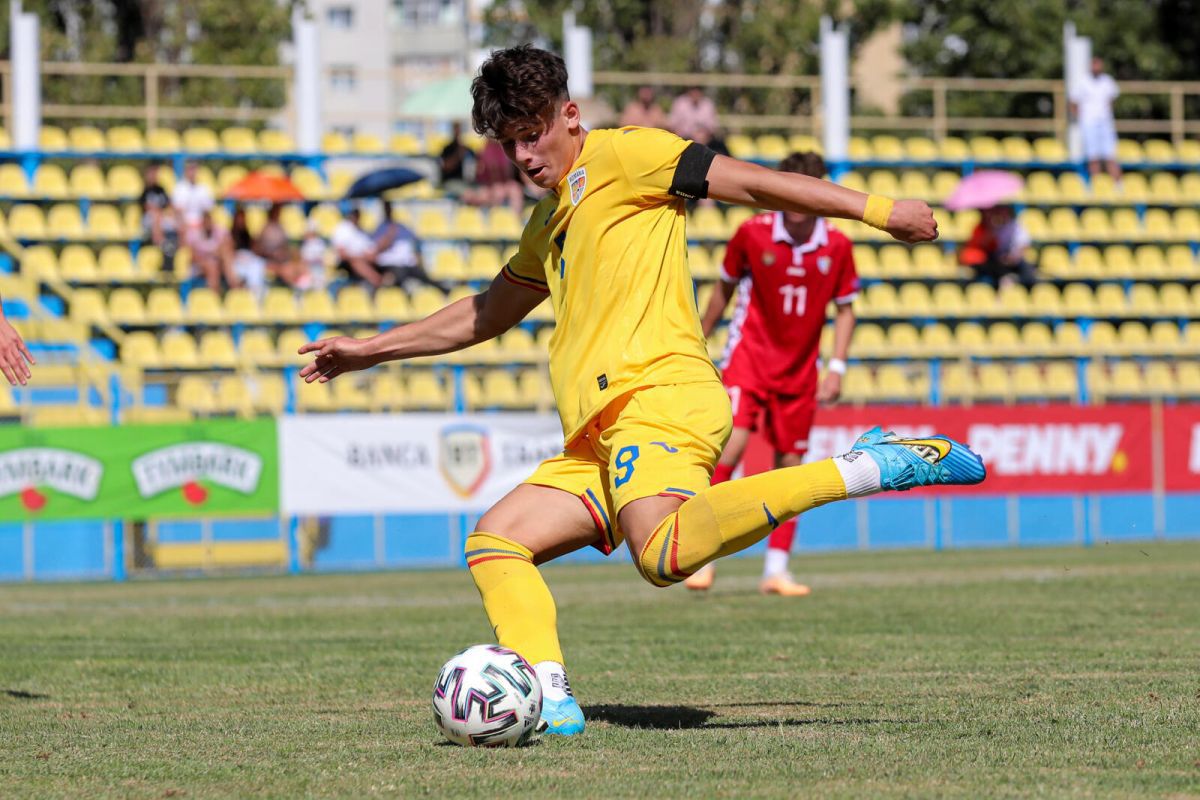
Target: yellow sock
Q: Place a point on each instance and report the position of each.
(731, 516)
(517, 601)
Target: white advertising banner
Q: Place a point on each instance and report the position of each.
(409, 463)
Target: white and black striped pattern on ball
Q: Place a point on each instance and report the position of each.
(487, 696)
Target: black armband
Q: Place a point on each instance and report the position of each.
(691, 174)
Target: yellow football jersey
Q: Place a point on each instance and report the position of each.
(610, 247)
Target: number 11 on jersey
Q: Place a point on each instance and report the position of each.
(793, 299)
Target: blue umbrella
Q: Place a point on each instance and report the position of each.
(381, 180)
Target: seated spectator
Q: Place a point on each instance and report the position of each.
(996, 249)
(496, 180)
(191, 199)
(691, 113)
(276, 250)
(453, 161)
(159, 225)
(354, 250)
(249, 267)
(398, 253)
(644, 110)
(312, 254)
(212, 253)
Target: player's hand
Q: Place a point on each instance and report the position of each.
(912, 221)
(15, 357)
(830, 389)
(335, 356)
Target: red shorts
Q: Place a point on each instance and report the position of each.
(787, 419)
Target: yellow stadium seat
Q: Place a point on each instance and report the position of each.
(895, 261)
(1189, 341)
(858, 385)
(971, 338)
(392, 305)
(1063, 225)
(1158, 225)
(195, 394)
(39, 261)
(887, 148)
(87, 181)
(1164, 188)
(279, 306)
(1004, 340)
(869, 341)
(255, 349)
(233, 395)
(217, 350)
(771, 147)
(1130, 152)
(163, 140)
(268, 391)
(1133, 339)
(1125, 225)
(707, 222)
(866, 262)
(163, 307)
(432, 224)
(1110, 300)
(50, 182)
(894, 382)
(1174, 301)
(204, 307)
(86, 139)
(994, 383)
(1041, 189)
(1069, 340)
(1062, 381)
(201, 140)
(802, 142)
(985, 149)
(958, 383)
(238, 140)
(884, 182)
(125, 139)
(954, 150)
(13, 182)
(741, 146)
(1089, 264)
(124, 182)
(1181, 263)
(1050, 151)
(915, 185)
(316, 306)
(1159, 151)
(179, 350)
(920, 148)
(1017, 149)
(312, 186)
(405, 144)
(87, 306)
(902, 340)
(386, 393)
(1037, 339)
(77, 264)
(879, 300)
(1119, 262)
(104, 222)
(52, 138)
(367, 143)
(227, 176)
(314, 397)
(1187, 224)
(350, 393)
(1078, 300)
(334, 144)
(1102, 338)
(272, 141)
(1189, 187)
(1164, 338)
(914, 301)
(1073, 189)
(1027, 382)
(64, 222)
(354, 305)
(140, 349)
(1160, 380)
(944, 184)
(1187, 379)
(937, 341)
(426, 391)
(853, 180)
(126, 307)
(468, 222)
(288, 345)
(1134, 188)
(1095, 225)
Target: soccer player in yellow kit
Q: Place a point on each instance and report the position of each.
(643, 411)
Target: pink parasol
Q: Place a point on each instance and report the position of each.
(985, 189)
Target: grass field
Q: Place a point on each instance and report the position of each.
(974, 674)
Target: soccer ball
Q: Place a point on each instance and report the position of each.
(487, 696)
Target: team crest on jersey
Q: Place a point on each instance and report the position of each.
(824, 263)
(578, 183)
(768, 259)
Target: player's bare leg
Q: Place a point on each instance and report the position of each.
(776, 579)
(702, 580)
(529, 526)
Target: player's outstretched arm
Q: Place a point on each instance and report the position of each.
(459, 325)
(15, 357)
(733, 181)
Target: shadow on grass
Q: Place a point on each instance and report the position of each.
(690, 717)
(20, 694)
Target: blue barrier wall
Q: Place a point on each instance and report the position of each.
(80, 550)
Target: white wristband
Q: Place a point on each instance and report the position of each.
(837, 366)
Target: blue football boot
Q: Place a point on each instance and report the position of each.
(561, 717)
(931, 461)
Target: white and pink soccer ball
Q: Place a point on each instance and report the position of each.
(487, 696)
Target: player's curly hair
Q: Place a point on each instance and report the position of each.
(520, 84)
(804, 163)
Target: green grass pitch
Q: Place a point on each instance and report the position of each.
(1056, 673)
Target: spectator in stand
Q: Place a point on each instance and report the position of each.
(398, 253)
(355, 251)
(453, 161)
(996, 249)
(159, 225)
(1091, 106)
(644, 110)
(276, 249)
(691, 113)
(312, 254)
(212, 253)
(249, 267)
(191, 199)
(496, 180)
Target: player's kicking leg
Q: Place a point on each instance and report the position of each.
(673, 540)
(529, 526)
(702, 579)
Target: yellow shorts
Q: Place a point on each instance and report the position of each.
(658, 440)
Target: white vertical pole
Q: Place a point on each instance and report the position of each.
(577, 52)
(306, 75)
(1077, 57)
(27, 80)
(835, 91)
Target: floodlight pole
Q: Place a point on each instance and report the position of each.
(27, 80)
(306, 82)
(1077, 58)
(835, 95)
(577, 52)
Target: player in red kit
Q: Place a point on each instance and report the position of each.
(785, 269)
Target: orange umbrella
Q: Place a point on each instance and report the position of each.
(263, 186)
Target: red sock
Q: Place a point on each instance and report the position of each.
(722, 473)
(781, 538)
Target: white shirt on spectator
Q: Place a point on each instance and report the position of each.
(349, 240)
(1094, 96)
(191, 200)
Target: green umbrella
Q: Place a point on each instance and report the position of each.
(447, 99)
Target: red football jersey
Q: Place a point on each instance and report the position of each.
(785, 287)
